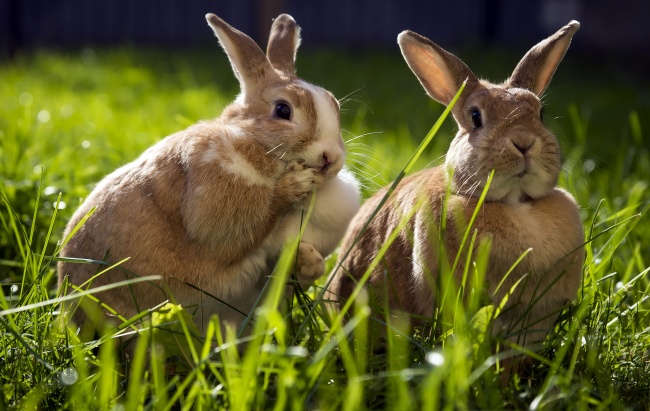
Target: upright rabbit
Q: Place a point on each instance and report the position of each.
(500, 128)
(212, 206)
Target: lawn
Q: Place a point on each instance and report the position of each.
(69, 118)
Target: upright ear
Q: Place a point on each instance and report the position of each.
(536, 68)
(284, 41)
(249, 63)
(440, 72)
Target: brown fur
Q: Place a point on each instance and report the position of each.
(205, 206)
(521, 211)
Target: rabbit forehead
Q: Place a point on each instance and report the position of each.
(326, 106)
(497, 99)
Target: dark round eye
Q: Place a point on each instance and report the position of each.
(541, 114)
(283, 111)
(476, 118)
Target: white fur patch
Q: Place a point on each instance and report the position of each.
(235, 163)
(329, 138)
(211, 154)
(239, 166)
(223, 153)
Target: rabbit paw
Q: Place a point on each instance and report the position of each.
(298, 182)
(311, 264)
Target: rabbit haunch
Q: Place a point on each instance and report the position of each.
(210, 208)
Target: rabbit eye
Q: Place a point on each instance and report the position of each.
(283, 111)
(476, 118)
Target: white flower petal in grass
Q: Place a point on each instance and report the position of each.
(435, 358)
(14, 289)
(589, 165)
(38, 169)
(618, 286)
(44, 116)
(48, 191)
(69, 376)
(25, 99)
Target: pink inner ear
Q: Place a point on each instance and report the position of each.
(431, 69)
(547, 71)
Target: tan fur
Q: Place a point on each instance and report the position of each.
(524, 208)
(213, 205)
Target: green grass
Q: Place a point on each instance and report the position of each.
(68, 119)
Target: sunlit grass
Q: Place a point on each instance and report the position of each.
(66, 120)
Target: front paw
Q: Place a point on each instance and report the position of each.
(298, 182)
(311, 264)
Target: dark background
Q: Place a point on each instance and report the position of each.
(620, 27)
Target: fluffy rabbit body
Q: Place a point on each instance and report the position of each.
(213, 205)
(500, 128)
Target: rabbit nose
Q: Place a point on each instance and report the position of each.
(523, 146)
(332, 155)
(329, 158)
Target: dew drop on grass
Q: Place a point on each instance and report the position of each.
(435, 358)
(66, 111)
(43, 116)
(48, 191)
(69, 376)
(89, 127)
(85, 144)
(25, 99)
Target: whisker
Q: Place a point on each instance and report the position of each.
(345, 98)
(282, 156)
(364, 135)
(274, 148)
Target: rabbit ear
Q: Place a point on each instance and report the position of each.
(249, 63)
(283, 43)
(440, 72)
(536, 68)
